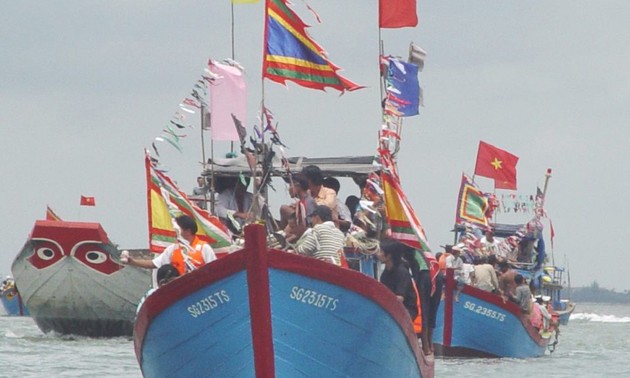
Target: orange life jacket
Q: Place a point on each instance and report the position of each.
(195, 256)
(417, 322)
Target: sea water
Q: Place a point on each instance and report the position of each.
(596, 343)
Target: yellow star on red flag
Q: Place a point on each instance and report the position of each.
(496, 163)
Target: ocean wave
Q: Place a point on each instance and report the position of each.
(9, 334)
(600, 318)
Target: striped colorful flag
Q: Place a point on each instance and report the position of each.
(291, 54)
(404, 223)
(166, 202)
(472, 204)
(51, 215)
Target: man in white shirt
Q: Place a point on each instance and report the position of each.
(489, 243)
(187, 255)
(455, 262)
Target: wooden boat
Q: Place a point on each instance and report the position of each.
(71, 282)
(480, 324)
(266, 313)
(11, 299)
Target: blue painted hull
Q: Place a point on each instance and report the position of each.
(332, 331)
(204, 324)
(481, 325)
(208, 330)
(564, 315)
(13, 305)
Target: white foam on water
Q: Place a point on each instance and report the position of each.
(600, 318)
(11, 335)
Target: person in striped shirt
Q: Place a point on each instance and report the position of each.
(323, 241)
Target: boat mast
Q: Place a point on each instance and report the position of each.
(204, 163)
(542, 207)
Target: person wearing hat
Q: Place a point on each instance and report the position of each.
(489, 243)
(323, 241)
(455, 262)
(540, 316)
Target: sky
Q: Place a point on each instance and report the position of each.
(86, 86)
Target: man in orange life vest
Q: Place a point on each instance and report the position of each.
(185, 256)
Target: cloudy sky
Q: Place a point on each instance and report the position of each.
(85, 87)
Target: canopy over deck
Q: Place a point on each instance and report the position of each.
(347, 166)
(501, 230)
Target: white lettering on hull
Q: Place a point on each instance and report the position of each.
(208, 303)
(481, 310)
(313, 298)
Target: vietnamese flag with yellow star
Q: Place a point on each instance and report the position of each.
(497, 164)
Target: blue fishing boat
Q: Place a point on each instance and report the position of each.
(11, 299)
(481, 324)
(266, 313)
(552, 285)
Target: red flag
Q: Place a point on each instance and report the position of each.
(50, 214)
(496, 164)
(397, 13)
(87, 201)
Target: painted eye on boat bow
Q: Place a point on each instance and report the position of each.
(95, 256)
(45, 254)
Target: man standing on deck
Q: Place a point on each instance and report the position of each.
(187, 255)
(522, 296)
(485, 276)
(507, 285)
(201, 192)
(455, 262)
(489, 243)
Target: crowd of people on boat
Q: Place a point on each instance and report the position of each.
(495, 275)
(316, 223)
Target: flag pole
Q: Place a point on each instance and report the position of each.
(204, 163)
(263, 116)
(542, 208)
(233, 55)
(547, 177)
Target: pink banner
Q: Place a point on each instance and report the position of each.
(228, 95)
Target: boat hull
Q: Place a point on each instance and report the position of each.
(310, 319)
(565, 314)
(13, 304)
(481, 325)
(71, 282)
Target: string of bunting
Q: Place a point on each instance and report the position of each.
(176, 128)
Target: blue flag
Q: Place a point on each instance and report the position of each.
(403, 88)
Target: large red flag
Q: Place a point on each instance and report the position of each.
(87, 201)
(397, 13)
(497, 164)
